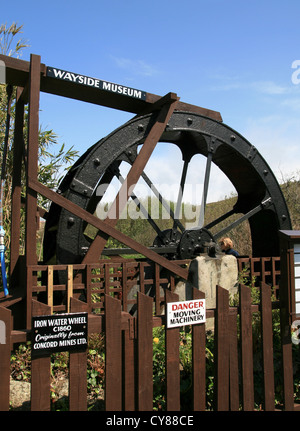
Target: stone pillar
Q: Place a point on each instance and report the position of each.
(205, 273)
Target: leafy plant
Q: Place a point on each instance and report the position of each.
(21, 363)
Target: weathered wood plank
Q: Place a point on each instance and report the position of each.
(145, 352)
(198, 360)
(113, 354)
(246, 348)
(172, 361)
(40, 369)
(78, 368)
(222, 349)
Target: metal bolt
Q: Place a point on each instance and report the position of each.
(140, 127)
(232, 137)
(189, 121)
(97, 162)
(71, 221)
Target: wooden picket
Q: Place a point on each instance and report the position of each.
(129, 356)
(267, 347)
(40, 369)
(199, 360)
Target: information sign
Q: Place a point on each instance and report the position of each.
(75, 78)
(184, 313)
(58, 333)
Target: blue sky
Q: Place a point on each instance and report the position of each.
(231, 56)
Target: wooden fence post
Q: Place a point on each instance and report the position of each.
(78, 368)
(113, 353)
(172, 361)
(40, 369)
(69, 287)
(199, 360)
(5, 351)
(50, 287)
(246, 347)
(234, 396)
(145, 352)
(267, 346)
(129, 375)
(222, 349)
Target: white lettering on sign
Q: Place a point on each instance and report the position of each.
(52, 72)
(184, 313)
(60, 332)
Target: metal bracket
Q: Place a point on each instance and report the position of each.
(81, 188)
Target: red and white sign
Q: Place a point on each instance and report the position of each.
(183, 313)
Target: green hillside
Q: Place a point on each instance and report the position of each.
(140, 229)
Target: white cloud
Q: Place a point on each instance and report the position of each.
(269, 87)
(227, 83)
(277, 138)
(137, 67)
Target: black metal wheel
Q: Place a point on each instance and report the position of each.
(259, 197)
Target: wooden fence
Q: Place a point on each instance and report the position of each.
(261, 269)
(123, 280)
(92, 282)
(129, 356)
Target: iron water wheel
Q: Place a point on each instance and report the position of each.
(259, 198)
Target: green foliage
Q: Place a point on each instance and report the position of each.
(185, 364)
(53, 158)
(96, 364)
(159, 381)
(140, 229)
(21, 368)
(8, 44)
(21, 363)
(291, 191)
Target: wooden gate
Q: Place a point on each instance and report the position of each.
(129, 356)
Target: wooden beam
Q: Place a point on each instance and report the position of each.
(97, 246)
(17, 74)
(32, 158)
(111, 231)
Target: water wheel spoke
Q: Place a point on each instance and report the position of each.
(241, 219)
(180, 192)
(143, 210)
(133, 176)
(205, 190)
(163, 202)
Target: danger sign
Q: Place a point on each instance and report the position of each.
(185, 313)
